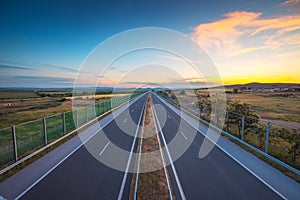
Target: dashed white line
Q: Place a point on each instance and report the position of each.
(169, 117)
(124, 120)
(183, 135)
(71, 153)
(104, 148)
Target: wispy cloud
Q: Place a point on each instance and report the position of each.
(291, 3)
(62, 68)
(142, 83)
(242, 32)
(28, 81)
(176, 58)
(9, 67)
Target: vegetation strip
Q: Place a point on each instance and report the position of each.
(151, 180)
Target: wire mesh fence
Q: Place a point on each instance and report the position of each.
(6, 147)
(29, 137)
(20, 140)
(54, 127)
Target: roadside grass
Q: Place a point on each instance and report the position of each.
(267, 105)
(24, 110)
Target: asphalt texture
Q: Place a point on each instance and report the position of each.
(81, 176)
(216, 176)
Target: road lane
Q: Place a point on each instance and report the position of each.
(81, 176)
(215, 176)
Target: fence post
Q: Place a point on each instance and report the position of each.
(227, 121)
(13, 131)
(64, 122)
(76, 116)
(86, 113)
(267, 137)
(243, 127)
(45, 131)
(99, 113)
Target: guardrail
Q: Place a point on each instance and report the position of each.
(276, 142)
(22, 140)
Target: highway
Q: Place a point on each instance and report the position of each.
(216, 176)
(78, 175)
(81, 176)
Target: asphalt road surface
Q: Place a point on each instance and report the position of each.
(216, 176)
(81, 176)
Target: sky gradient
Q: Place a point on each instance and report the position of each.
(44, 43)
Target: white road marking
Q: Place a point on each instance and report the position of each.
(104, 148)
(221, 148)
(139, 160)
(169, 117)
(162, 156)
(124, 120)
(170, 159)
(55, 166)
(183, 135)
(132, 110)
(129, 158)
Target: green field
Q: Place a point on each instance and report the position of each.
(17, 94)
(270, 107)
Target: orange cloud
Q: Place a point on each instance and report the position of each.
(241, 32)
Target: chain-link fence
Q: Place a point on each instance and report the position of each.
(20, 140)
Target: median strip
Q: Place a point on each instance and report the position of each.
(151, 180)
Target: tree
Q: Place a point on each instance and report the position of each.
(237, 110)
(294, 140)
(182, 92)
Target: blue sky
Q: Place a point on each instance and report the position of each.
(52, 38)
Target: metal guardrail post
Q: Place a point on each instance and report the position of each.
(14, 140)
(76, 116)
(64, 123)
(267, 137)
(98, 105)
(45, 131)
(227, 121)
(86, 113)
(243, 127)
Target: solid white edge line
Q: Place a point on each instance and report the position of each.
(139, 159)
(55, 166)
(170, 159)
(161, 154)
(236, 160)
(183, 135)
(129, 158)
(104, 148)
